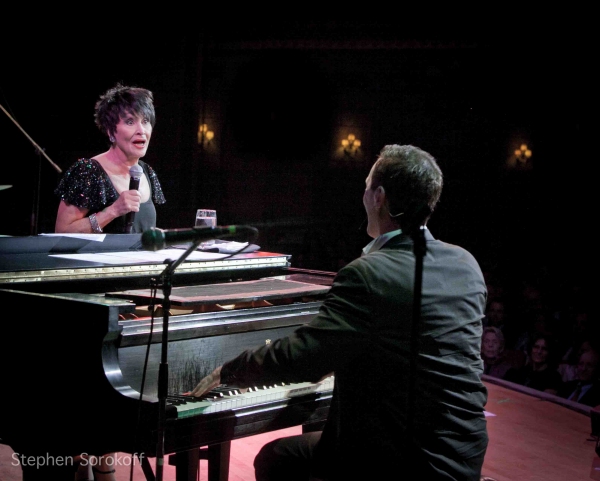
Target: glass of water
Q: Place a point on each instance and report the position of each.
(206, 218)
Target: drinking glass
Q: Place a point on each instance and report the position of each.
(206, 218)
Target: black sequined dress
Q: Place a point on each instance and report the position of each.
(86, 184)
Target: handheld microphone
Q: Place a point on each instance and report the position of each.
(155, 239)
(134, 184)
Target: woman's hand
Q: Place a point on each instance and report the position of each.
(128, 201)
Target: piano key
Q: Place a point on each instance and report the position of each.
(252, 398)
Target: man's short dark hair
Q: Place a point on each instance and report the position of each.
(412, 181)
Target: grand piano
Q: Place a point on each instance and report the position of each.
(82, 347)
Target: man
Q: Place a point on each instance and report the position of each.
(388, 415)
(585, 388)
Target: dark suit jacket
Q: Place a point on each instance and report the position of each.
(590, 398)
(363, 334)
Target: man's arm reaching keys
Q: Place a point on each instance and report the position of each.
(209, 382)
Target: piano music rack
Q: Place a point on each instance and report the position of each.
(262, 289)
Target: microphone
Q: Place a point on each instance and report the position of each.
(155, 239)
(134, 184)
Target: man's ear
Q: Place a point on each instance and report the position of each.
(380, 196)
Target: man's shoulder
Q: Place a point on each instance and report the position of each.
(377, 262)
(454, 250)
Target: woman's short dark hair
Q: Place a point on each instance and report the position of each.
(119, 101)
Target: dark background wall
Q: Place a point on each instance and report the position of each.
(281, 99)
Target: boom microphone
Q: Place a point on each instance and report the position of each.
(155, 239)
(134, 184)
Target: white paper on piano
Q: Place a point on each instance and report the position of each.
(129, 257)
(92, 237)
(222, 246)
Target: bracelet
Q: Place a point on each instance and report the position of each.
(94, 223)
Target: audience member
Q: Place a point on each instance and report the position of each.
(495, 314)
(539, 372)
(496, 359)
(567, 367)
(536, 322)
(585, 388)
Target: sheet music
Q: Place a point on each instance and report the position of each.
(138, 257)
(92, 237)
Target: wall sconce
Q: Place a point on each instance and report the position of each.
(204, 135)
(351, 144)
(523, 154)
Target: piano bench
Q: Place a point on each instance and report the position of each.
(187, 463)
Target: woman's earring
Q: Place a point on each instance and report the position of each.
(112, 139)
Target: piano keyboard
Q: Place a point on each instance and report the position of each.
(225, 398)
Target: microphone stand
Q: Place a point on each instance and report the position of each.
(163, 371)
(39, 150)
(420, 248)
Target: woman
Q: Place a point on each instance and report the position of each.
(540, 370)
(495, 361)
(95, 194)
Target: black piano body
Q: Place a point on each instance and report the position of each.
(80, 344)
